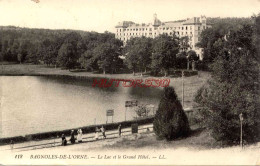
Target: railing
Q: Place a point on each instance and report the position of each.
(109, 134)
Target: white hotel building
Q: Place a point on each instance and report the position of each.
(191, 28)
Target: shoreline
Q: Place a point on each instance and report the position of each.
(43, 70)
(192, 84)
(86, 129)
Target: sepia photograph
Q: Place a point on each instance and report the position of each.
(129, 82)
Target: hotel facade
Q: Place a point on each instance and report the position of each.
(191, 28)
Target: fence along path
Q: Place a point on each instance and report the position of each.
(54, 142)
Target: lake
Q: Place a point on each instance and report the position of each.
(33, 104)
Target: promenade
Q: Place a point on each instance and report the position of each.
(89, 137)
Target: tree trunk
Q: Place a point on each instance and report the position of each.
(145, 70)
(165, 73)
(133, 73)
(188, 65)
(104, 71)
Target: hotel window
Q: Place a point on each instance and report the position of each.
(170, 33)
(167, 28)
(136, 33)
(146, 28)
(143, 29)
(130, 33)
(120, 30)
(198, 28)
(136, 29)
(163, 28)
(190, 27)
(155, 28)
(154, 33)
(182, 28)
(150, 29)
(186, 28)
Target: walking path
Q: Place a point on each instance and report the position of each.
(89, 137)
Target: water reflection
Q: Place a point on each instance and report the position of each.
(36, 104)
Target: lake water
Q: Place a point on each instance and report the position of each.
(31, 104)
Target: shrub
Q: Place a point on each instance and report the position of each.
(170, 120)
(232, 90)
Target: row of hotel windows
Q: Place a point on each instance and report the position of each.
(127, 38)
(178, 33)
(164, 28)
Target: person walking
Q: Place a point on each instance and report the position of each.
(12, 144)
(103, 132)
(63, 140)
(72, 137)
(96, 133)
(79, 136)
(119, 130)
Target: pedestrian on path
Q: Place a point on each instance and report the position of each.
(63, 140)
(119, 130)
(96, 133)
(103, 132)
(72, 137)
(79, 136)
(12, 144)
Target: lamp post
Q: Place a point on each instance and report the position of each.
(241, 129)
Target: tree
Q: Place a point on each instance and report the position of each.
(69, 52)
(138, 53)
(67, 56)
(191, 57)
(107, 54)
(88, 61)
(165, 49)
(144, 52)
(170, 120)
(131, 55)
(184, 44)
(142, 111)
(234, 89)
(220, 29)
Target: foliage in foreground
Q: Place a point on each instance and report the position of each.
(234, 88)
(170, 120)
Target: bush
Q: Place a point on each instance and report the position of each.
(170, 120)
(233, 90)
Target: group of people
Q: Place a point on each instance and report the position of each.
(80, 134)
(72, 137)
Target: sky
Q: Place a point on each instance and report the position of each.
(102, 15)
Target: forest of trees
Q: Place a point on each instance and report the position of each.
(88, 50)
(70, 49)
(233, 89)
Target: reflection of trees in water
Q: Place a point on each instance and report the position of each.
(78, 81)
(148, 92)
